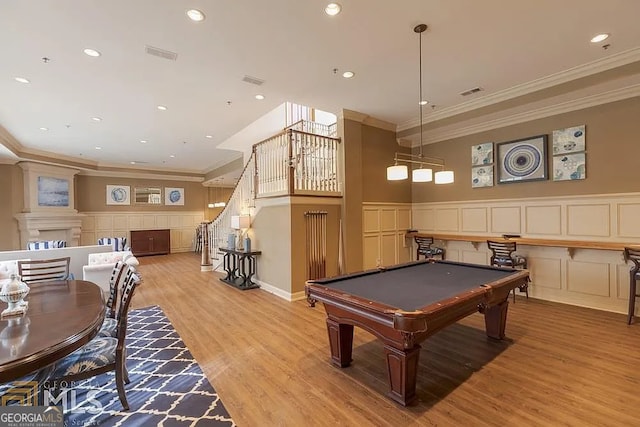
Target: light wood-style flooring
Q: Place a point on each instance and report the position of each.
(268, 359)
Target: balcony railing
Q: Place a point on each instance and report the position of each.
(294, 162)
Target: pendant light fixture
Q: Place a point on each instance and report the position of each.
(422, 173)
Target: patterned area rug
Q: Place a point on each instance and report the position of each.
(167, 386)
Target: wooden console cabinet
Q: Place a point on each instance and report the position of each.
(150, 242)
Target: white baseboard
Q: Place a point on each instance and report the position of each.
(280, 292)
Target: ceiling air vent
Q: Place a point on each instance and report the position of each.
(253, 80)
(161, 53)
(471, 91)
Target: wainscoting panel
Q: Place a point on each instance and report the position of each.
(424, 219)
(628, 214)
(388, 220)
(371, 251)
(384, 227)
(447, 219)
(589, 220)
(475, 257)
(371, 221)
(388, 246)
(104, 224)
(543, 220)
(474, 220)
(505, 220)
(586, 277)
(545, 273)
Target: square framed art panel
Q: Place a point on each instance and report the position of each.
(174, 196)
(118, 195)
(569, 140)
(522, 160)
(569, 167)
(482, 176)
(482, 154)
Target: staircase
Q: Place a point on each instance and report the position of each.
(300, 160)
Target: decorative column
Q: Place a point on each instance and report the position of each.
(205, 263)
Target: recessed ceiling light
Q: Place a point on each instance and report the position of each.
(260, 97)
(195, 15)
(172, 156)
(96, 119)
(423, 102)
(91, 52)
(162, 107)
(208, 136)
(98, 148)
(599, 38)
(44, 129)
(22, 80)
(133, 163)
(348, 74)
(143, 141)
(332, 9)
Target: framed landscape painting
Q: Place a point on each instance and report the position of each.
(522, 160)
(53, 191)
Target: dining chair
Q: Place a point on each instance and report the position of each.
(109, 326)
(102, 354)
(46, 244)
(426, 249)
(117, 243)
(503, 255)
(44, 270)
(633, 255)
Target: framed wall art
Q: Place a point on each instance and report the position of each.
(482, 176)
(568, 167)
(569, 140)
(482, 154)
(522, 160)
(118, 195)
(53, 191)
(174, 196)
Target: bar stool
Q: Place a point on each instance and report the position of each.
(425, 249)
(502, 255)
(633, 255)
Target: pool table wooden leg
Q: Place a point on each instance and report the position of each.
(402, 369)
(495, 319)
(341, 342)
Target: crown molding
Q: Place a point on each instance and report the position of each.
(434, 136)
(366, 120)
(141, 174)
(584, 70)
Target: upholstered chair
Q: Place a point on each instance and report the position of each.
(426, 248)
(46, 244)
(117, 243)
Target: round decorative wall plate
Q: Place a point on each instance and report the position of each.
(118, 195)
(174, 196)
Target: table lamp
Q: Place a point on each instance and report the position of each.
(241, 223)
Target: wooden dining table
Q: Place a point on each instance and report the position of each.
(62, 316)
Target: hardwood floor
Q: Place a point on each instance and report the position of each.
(269, 361)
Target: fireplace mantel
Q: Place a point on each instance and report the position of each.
(35, 226)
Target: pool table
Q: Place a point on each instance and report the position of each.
(405, 304)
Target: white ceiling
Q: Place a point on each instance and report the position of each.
(291, 44)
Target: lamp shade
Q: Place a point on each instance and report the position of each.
(397, 172)
(422, 175)
(444, 177)
(240, 222)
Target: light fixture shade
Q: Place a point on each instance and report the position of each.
(240, 222)
(397, 172)
(211, 205)
(422, 175)
(444, 177)
(219, 204)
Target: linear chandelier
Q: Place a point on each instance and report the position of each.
(422, 173)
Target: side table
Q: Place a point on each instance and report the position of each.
(240, 267)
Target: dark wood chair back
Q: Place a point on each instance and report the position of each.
(633, 255)
(114, 282)
(501, 253)
(44, 270)
(426, 249)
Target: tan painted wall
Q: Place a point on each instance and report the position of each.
(271, 233)
(367, 152)
(91, 194)
(613, 149)
(10, 183)
(299, 242)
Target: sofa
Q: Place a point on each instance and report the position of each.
(100, 265)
